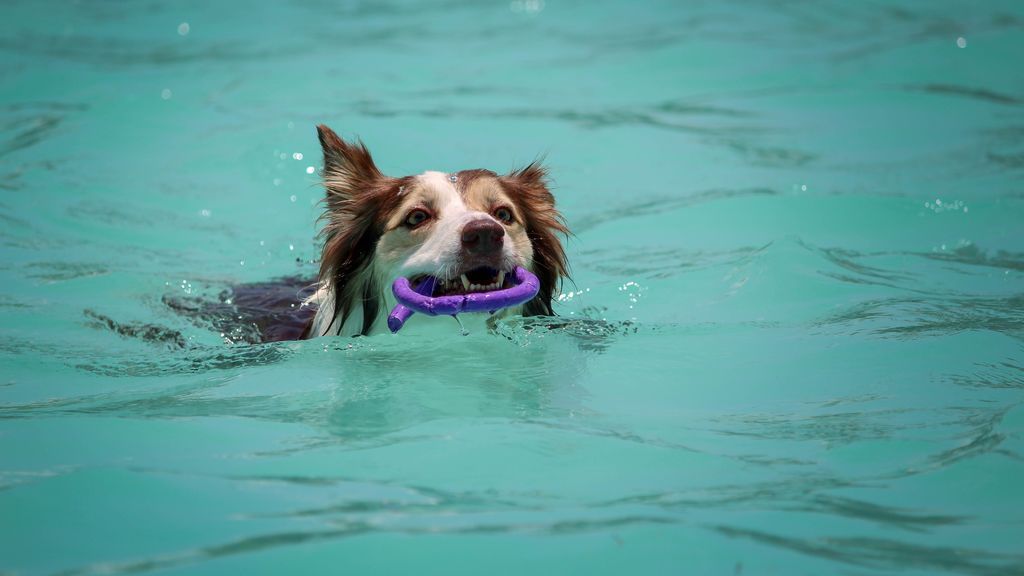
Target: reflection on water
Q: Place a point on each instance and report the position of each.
(792, 340)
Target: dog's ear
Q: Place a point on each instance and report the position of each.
(529, 188)
(357, 198)
(349, 171)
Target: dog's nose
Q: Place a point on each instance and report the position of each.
(482, 236)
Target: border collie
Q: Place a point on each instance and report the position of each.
(468, 229)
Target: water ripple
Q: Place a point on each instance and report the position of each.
(889, 554)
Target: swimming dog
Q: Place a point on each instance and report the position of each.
(468, 229)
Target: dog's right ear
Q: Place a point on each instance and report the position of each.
(349, 170)
(358, 197)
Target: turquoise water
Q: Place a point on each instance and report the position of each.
(797, 297)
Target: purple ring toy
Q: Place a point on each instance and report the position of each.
(419, 299)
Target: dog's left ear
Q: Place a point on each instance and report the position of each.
(529, 188)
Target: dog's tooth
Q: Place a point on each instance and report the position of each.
(501, 278)
(465, 282)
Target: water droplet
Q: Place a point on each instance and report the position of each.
(291, 247)
(205, 213)
(297, 155)
(241, 262)
(183, 29)
(803, 187)
(961, 42)
(166, 94)
(527, 6)
(453, 178)
(310, 169)
(462, 327)
(292, 198)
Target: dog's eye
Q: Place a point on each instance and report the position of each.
(416, 217)
(503, 214)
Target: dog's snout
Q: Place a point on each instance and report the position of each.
(482, 236)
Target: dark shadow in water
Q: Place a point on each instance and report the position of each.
(31, 123)
(597, 118)
(980, 435)
(975, 256)
(769, 156)
(879, 553)
(890, 516)
(350, 528)
(588, 331)
(1012, 161)
(194, 361)
(62, 271)
(833, 429)
(846, 259)
(981, 438)
(654, 263)
(1007, 374)
(110, 51)
(410, 498)
(982, 94)
(151, 333)
(927, 311)
(911, 317)
(738, 138)
(660, 205)
(802, 494)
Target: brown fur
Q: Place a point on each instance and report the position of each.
(528, 188)
(360, 200)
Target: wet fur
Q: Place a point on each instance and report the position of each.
(359, 202)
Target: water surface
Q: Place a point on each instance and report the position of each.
(797, 301)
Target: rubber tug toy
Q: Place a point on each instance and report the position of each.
(420, 298)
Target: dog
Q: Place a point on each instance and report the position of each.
(469, 229)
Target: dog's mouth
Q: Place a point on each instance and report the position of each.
(480, 279)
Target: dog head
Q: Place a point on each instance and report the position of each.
(469, 229)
